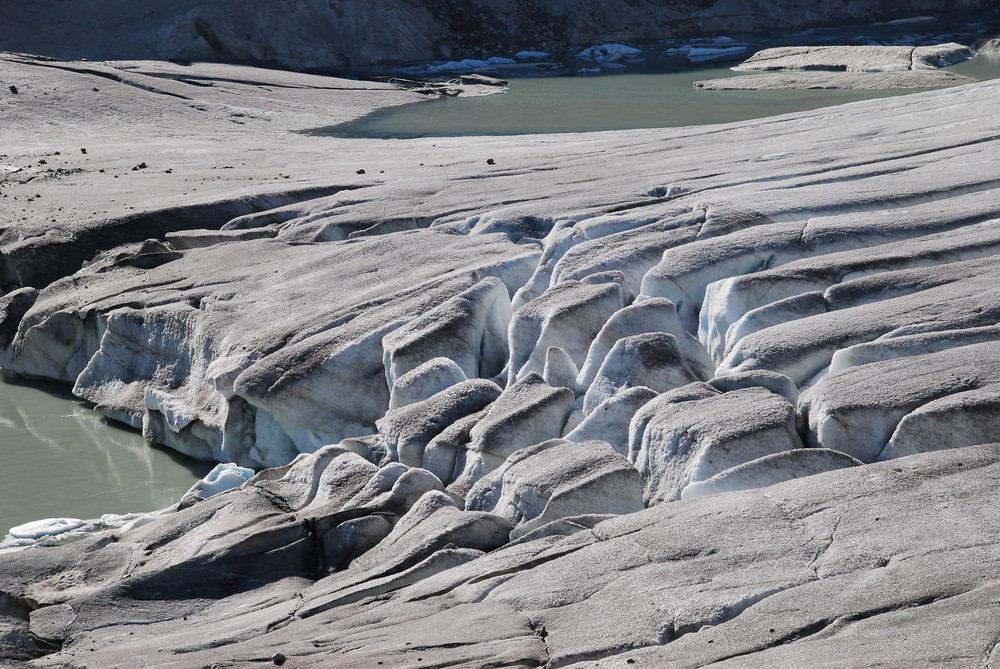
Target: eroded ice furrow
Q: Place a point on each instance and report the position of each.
(896, 407)
(727, 301)
(803, 347)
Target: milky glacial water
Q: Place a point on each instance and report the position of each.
(642, 96)
(59, 458)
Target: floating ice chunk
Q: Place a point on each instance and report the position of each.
(706, 54)
(225, 476)
(531, 54)
(469, 64)
(45, 528)
(588, 70)
(609, 53)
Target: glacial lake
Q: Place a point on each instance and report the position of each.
(643, 95)
(62, 459)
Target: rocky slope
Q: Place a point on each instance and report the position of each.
(682, 397)
(320, 33)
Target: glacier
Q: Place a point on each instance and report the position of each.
(681, 397)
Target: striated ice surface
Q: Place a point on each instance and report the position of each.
(680, 397)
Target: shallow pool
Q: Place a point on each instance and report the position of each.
(58, 458)
(644, 96)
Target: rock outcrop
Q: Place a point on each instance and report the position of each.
(856, 67)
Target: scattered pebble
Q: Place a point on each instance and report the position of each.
(278, 659)
(490, 161)
(13, 89)
(83, 151)
(360, 172)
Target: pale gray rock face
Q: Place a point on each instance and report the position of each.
(855, 58)
(874, 80)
